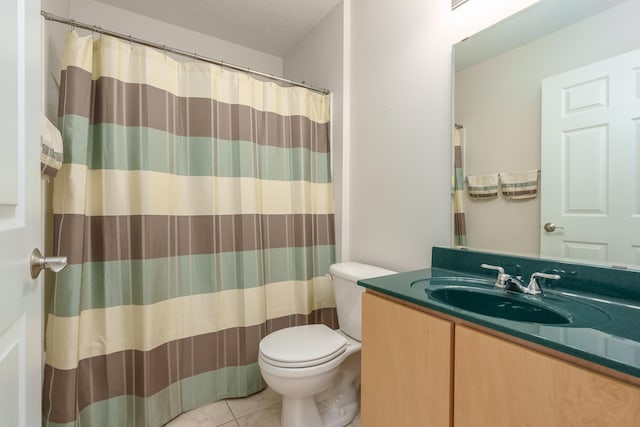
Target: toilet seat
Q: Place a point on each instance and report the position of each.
(302, 346)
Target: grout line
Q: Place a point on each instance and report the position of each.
(226, 401)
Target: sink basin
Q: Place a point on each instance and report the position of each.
(547, 309)
(453, 281)
(503, 305)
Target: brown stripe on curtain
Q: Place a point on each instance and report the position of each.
(457, 156)
(122, 373)
(110, 238)
(460, 223)
(133, 104)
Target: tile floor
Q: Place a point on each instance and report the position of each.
(258, 410)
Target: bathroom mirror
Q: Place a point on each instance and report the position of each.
(497, 101)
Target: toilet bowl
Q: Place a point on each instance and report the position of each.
(317, 369)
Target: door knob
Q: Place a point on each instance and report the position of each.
(551, 227)
(39, 263)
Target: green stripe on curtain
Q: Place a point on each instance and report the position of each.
(195, 205)
(158, 409)
(118, 282)
(140, 148)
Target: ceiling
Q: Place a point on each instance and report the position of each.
(271, 26)
(529, 24)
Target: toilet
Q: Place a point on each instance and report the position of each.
(317, 369)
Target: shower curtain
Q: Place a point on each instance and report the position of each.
(459, 225)
(195, 208)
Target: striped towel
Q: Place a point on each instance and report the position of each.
(482, 186)
(51, 152)
(519, 185)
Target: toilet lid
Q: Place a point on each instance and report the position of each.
(302, 346)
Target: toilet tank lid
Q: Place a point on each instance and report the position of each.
(355, 271)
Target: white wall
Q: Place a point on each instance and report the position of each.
(401, 124)
(319, 59)
(122, 21)
(399, 131)
(498, 101)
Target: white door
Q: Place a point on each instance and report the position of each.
(20, 230)
(590, 155)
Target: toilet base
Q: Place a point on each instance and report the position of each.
(339, 404)
(338, 417)
(305, 411)
(300, 411)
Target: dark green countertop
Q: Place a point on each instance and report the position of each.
(614, 344)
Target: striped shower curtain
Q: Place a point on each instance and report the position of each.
(459, 223)
(195, 208)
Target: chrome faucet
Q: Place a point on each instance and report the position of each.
(507, 282)
(501, 280)
(534, 287)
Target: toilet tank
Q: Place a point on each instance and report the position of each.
(348, 294)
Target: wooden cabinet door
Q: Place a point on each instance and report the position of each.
(406, 366)
(498, 383)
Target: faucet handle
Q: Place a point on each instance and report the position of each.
(493, 267)
(534, 286)
(501, 280)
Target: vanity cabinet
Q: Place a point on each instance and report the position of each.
(499, 383)
(406, 366)
(419, 369)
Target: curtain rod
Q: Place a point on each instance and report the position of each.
(51, 17)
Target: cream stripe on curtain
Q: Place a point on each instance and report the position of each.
(195, 208)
